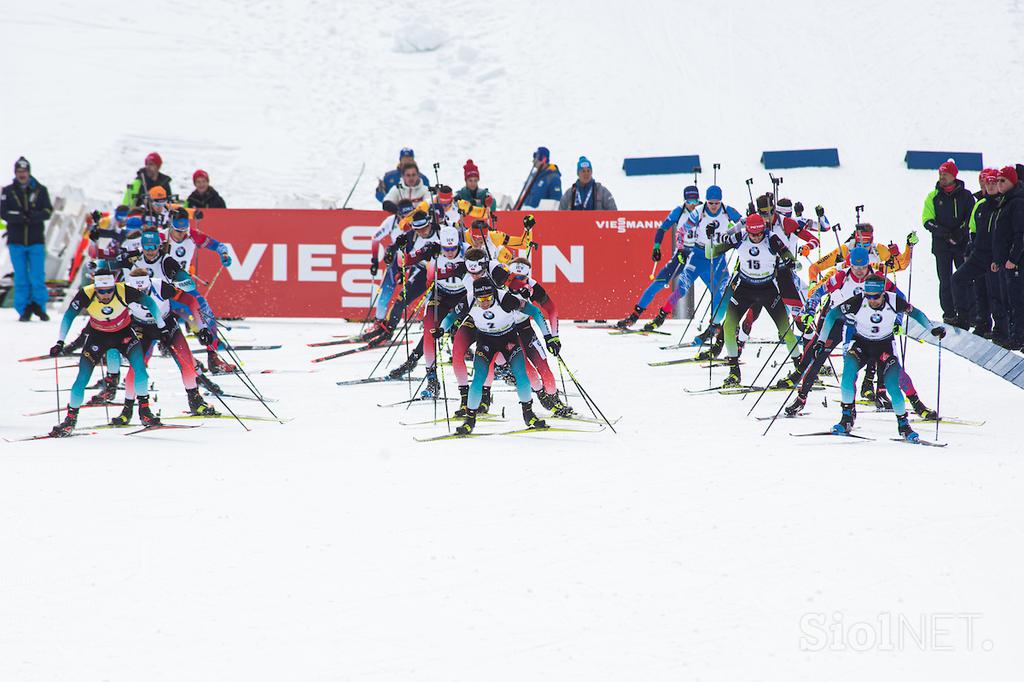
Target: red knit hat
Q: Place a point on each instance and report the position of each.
(154, 158)
(199, 173)
(949, 167)
(1010, 173)
(470, 170)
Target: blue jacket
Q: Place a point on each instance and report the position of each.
(392, 178)
(547, 185)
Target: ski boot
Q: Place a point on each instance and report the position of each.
(463, 402)
(562, 410)
(658, 320)
(630, 320)
(382, 334)
(205, 381)
(734, 373)
(826, 371)
(466, 427)
(867, 389)
(922, 410)
(790, 380)
(197, 405)
(145, 414)
(705, 336)
(532, 420)
(504, 372)
(433, 389)
(845, 424)
(65, 428)
(218, 365)
(797, 406)
(404, 368)
(904, 427)
(108, 392)
(715, 349)
(882, 402)
(485, 401)
(125, 418)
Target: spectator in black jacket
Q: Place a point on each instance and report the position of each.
(146, 178)
(203, 196)
(1008, 251)
(25, 207)
(947, 209)
(974, 283)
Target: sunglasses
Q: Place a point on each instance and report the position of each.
(874, 297)
(105, 292)
(485, 299)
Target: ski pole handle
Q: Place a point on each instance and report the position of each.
(654, 268)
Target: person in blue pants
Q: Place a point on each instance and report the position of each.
(25, 207)
(669, 271)
(873, 314)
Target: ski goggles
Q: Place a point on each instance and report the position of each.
(874, 295)
(180, 224)
(486, 299)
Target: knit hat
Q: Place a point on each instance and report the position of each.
(406, 151)
(154, 158)
(542, 153)
(444, 194)
(150, 240)
(785, 207)
(584, 162)
(1010, 173)
(713, 193)
(755, 224)
(200, 173)
(859, 257)
(469, 170)
(22, 164)
(691, 193)
(949, 167)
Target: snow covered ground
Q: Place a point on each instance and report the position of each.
(334, 547)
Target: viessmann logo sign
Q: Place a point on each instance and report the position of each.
(622, 224)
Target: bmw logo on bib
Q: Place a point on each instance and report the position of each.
(180, 251)
(488, 315)
(876, 318)
(754, 251)
(106, 310)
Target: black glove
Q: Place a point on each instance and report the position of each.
(798, 208)
(205, 336)
(94, 233)
(930, 225)
(553, 343)
(818, 348)
(431, 250)
(710, 229)
(437, 332)
(198, 214)
(390, 207)
(529, 221)
(656, 254)
(96, 217)
(939, 332)
(819, 211)
(389, 255)
(167, 335)
(57, 349)
(374, 265)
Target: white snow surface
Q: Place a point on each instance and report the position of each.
(334, 547)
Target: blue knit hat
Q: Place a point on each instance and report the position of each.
(542, 153)
(584, 162)
(406, 151)
(859, 257)
(691, 193)
(713, 193)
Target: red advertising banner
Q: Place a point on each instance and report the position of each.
(315, 263)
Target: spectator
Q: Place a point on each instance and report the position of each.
(545, 181)
(1008, 251)
(412, 187)
(393, 177)
(472, 193)
(974, 282)
(25, 206)
(586, 194)
(947, 209)
(203, 196)
(146, 178)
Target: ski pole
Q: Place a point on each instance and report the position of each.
(782, 338)
(56, 379)
(103, 367)
(586, 396)
(938, 392)
(654, 267)
(213, 281)
(394, 341)
(215, 395)
(247, 381)
(358, 178)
